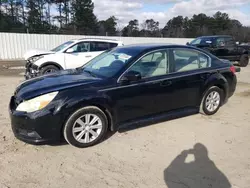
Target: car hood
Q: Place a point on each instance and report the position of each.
(36, 52)
(53, 82)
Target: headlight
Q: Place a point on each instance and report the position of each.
(34, 59)
(37, 103)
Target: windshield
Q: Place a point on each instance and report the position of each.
(110, 62)
(62, 46)
(202, 41)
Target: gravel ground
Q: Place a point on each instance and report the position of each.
(190, 152)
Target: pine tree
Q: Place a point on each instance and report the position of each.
(34, 16)
(83, 17)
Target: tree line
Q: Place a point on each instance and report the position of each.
(77, 17)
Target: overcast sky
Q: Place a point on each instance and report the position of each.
(163, 10)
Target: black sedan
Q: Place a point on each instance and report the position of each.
(125, 84)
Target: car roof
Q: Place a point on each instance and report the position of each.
(98, 39)
(154, 46)
(214, 36)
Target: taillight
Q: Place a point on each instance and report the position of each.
(232, 69)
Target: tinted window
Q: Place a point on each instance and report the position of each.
(229, 41)
(113, 45)
(101, 46)
(186, 60)
(220, 41)
(153, 64)
(203, 41)
(81, 47)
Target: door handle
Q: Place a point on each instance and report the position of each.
(166, 83)
(88, 56)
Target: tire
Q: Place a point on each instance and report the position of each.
(85, 115)
(205, 108)
(49, 69)
(244, 59)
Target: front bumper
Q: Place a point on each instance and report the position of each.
(32, 70)
(41, 127)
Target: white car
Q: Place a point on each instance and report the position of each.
(69, 55)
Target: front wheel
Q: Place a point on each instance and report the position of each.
(244, 59)
(49, 69)
(86, 127)
(211, 101)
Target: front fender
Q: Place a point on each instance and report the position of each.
(57, 58)
(70, 104)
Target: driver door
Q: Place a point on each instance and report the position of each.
(79, 56)
(138, 99)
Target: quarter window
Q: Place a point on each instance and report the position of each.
(187, 60)
(113, 45)
(153, 64)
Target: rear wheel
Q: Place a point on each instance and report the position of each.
(212, 101)
(86, 127)
(244, 59)
(49, 69)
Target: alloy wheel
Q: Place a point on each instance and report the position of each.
(87, 128)
(213, 101)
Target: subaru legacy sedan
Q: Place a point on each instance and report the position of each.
(125, 84)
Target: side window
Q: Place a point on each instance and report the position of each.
(99, 46)
(81, 47)
(220, 42)
(153, 64)
(229, 41)
(187, 60)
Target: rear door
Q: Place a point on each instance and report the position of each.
(232, 48)
(188, 75)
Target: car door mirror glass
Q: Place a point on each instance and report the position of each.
(70, 50)
(131, 76)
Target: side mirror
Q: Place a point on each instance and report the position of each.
(131, 76)
(187, 43)
(237, 43)
(70, 50)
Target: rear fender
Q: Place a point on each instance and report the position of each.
(216, 80)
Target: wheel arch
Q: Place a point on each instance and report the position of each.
(219, 81)
(101, 104)
(51, 63)
(246, 52)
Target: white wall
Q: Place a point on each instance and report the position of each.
(14, 45)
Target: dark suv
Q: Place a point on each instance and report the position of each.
(224, 47)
